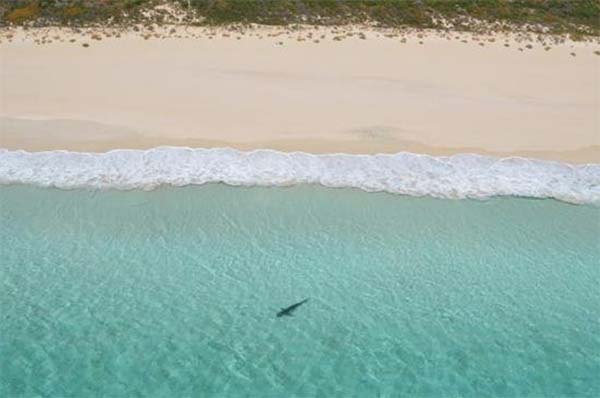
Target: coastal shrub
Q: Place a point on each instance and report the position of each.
(72, 12)
(577, 18)
(133, 3)
(558, 16)
(19, 15)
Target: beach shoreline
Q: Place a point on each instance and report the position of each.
(437, 93)
(459, 176)
(31, 141)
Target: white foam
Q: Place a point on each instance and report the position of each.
(458, 176)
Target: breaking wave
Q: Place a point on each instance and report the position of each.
(458, 176)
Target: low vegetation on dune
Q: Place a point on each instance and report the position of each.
(574, 17)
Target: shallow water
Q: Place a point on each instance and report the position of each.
(174, 293)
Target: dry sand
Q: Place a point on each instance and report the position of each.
(287, 92)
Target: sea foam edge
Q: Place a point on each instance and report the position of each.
(458, 176)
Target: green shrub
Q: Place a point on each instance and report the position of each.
(22, 14)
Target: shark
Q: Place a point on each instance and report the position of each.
(288, 311)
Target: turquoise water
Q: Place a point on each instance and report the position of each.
(174, 292)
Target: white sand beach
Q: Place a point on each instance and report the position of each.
(286, 91)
